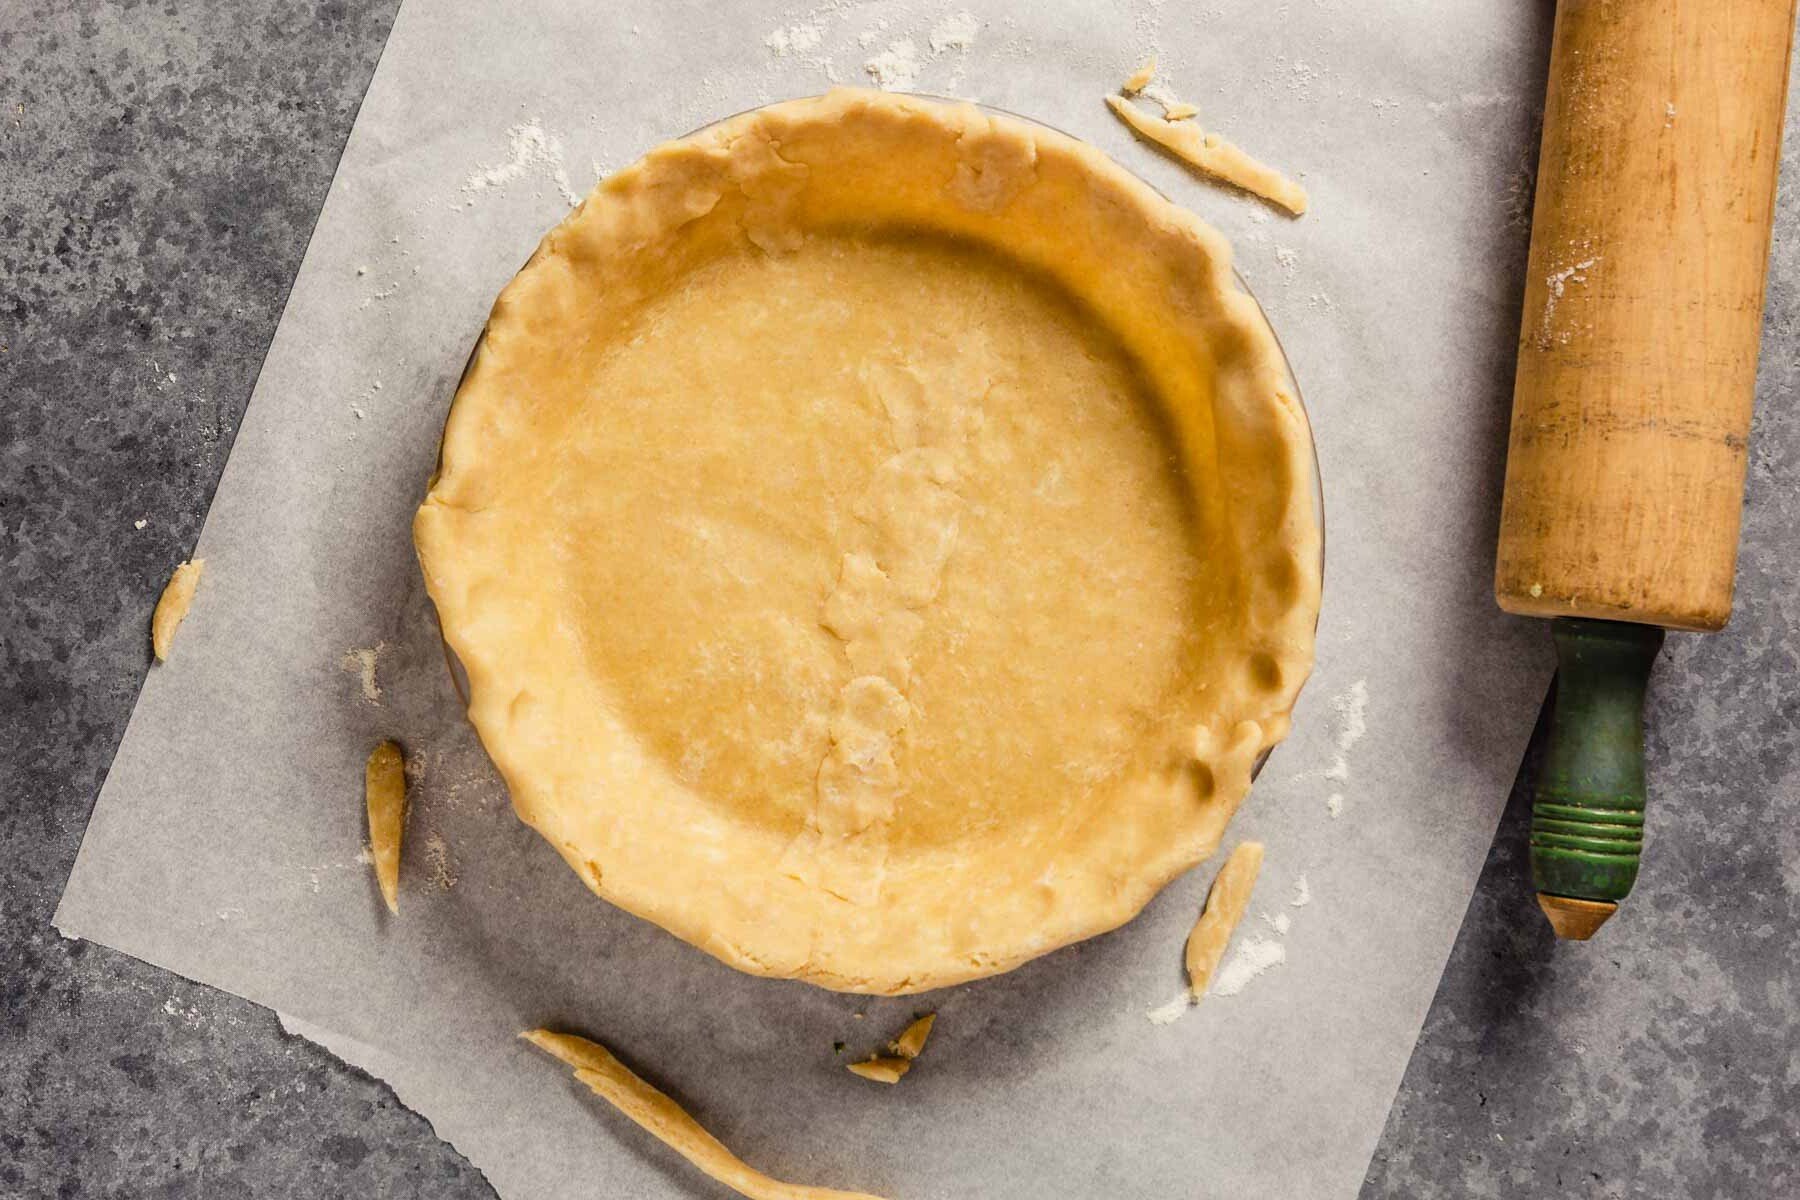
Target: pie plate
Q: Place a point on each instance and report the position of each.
(880, 539)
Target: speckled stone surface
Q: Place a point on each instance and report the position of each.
(161, 167)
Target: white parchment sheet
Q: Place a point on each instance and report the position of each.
(225, 843)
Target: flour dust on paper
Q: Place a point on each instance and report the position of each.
(1350, 712)
(847, 45)
(1250, 958)
(887, 55)
(364, 662)
(532, 153)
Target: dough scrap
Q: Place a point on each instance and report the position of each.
(384, 793)
(888, 1068)
(1181, 110)
(1225, 905)
(881, 1068)
(668, 1122)
(912, 1039)
(1213, 155)
(1140, 77)
(177, 596)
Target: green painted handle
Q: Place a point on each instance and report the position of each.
(1587, 816)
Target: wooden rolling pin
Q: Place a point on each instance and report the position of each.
(1637, 371)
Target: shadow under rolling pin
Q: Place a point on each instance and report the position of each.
(1636, 376)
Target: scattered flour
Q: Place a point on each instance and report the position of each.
(1160, 92)
(1301, 77)
(1473, 100)
(1250, 958)
(140, 522)
(1334, 804)
(381, 293)
(895, 53)
(1280, 922)
(1289, 260)
(530, 149)
(955, 32)
(1352, 708)
(1557, 285)
(896, 68)
(1302, 893)
(795, 39)
(456, 776)
(363, 662)
(1173, 1011)
(437, 855)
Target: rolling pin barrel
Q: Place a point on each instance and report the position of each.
(1638, 347)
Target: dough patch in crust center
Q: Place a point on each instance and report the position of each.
(922, 548)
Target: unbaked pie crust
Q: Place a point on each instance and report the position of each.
(880, 539)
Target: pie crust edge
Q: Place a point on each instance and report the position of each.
(991, 164)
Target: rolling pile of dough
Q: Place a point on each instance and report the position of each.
(879, 536)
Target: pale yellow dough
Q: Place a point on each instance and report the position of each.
(911, 1042)
(1225, 905)
(1211, 153)
(879, 537)
(881, 1068)
(1139, 79)
(909, 1045)
(668, 1122)
(172, 606)
(384, 796)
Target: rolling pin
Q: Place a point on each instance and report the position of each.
(1636, 376)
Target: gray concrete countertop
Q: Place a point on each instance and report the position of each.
(161, 166)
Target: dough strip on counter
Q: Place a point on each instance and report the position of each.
(668, 1122)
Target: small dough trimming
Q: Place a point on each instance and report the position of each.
(384, 794)
(881, 1068)
(912, 1039)
(1213, 154)
(668, 1122)
(1140, 77)
(1225, 905)
(177, 597)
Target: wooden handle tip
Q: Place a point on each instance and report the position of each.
(1575, 920)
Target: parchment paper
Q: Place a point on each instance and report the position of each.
(224, 844)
